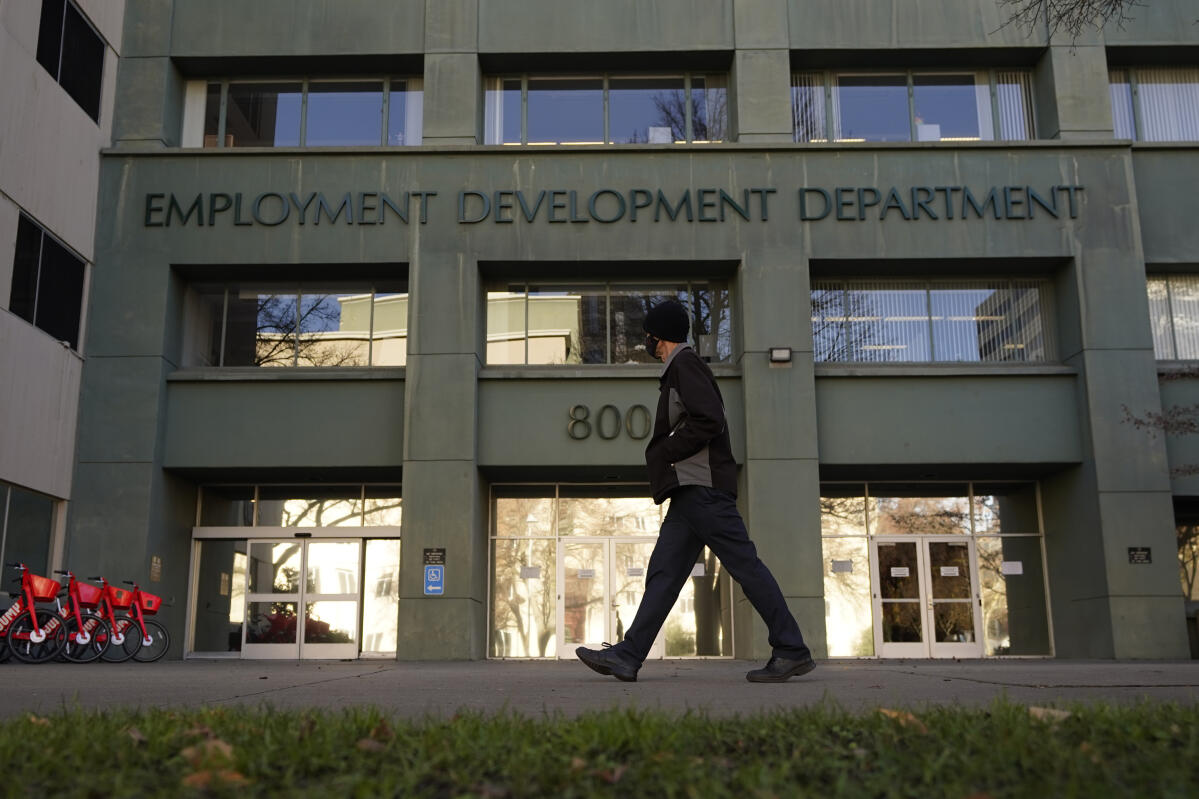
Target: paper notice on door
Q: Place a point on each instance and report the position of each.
(1011, 567)
(530, 572)
(697, 570)
(842, 566)
(899, 571)
(949, 571)
(586, 574)
(635, 571)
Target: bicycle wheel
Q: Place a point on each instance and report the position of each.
(97, 636)
(20, 637)
(156, 643)
(126, 640)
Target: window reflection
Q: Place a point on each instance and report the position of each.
(405, 113)
(309, 506)
(848, 617)
(918, 509)
(951, 108)
(523, 598)
(344, 114)
(381, 599)
(646, 110)
(271, 623)
(328, 622)
(220, 595)
(871, 108)
(273, 568)
(263, 114)
(565, 111)
(1012, 585)
(709, 108)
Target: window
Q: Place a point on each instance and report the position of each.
(606, 109)
(1155, 103)
(72, 52)
(365, 112)
(47, 283)
(912, 106)
(301, 506)
(600, 322)
(26, 525)
(922, 321)
(308, 325)
(1174, 316)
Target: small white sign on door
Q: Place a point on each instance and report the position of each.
(842, 567)
(635, 571)
(1011, 567)
(530, 572)
(586, 574)
(899, 571)
(949, 571)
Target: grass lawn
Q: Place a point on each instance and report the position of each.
(1004, 750)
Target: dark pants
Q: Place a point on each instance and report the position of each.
(700, 516)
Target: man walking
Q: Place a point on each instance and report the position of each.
(690, 460)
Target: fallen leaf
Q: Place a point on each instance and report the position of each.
(1049, 714)
(612, 775)
(382, 732)
(136, 735)
(214, 779)
(39, 721)
(577, 764)
(370, 745)
(208, 753)
(905, 718)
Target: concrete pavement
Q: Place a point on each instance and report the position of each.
(717, 687)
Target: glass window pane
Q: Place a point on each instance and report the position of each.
(30, 525)
(1006, 508)
(332, 567)
(273, 567)
(641, 110)
(1159, 319)
(524, 512)
(848, 619)
(263, 115)
(921, 509)
(310, 506)
(227, 506)
(334, 328)
(711, 321)
(628, 307)
(212, 114)
(700, 623)
(567, 324)
(506, 326)
(566, 111)
(26, 258)
(59, 292)
(1169, 98)
(405, 113)
(1184, 304)
(843, 509)
(1012, 584)
(389, 339)
(1120, 91)
(887, 321)
(260, 328)
(381, 598)
(952, 108)
(871, 108)
(204, 316)
(271, 623)
(49, 35)
(82, 62)
(1013, 91)
(502, 111)
(524, 596)
(607, 515)
(807, 106)
(344, 114)
(384, 506)
(828, 321)
(709, 108)
(328, 622)
(220, 596)
(973, 321)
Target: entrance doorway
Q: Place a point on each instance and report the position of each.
(302, 598)
(926, 598)
(601, 582)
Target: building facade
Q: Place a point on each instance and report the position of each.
(364, 373)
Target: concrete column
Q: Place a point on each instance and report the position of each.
(1071, 90)
(760, 90)
(444, 506)
(453, 83)
(149, 87)
(782, 477)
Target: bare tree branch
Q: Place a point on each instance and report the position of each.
(1069, 16)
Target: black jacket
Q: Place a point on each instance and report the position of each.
(690, 444)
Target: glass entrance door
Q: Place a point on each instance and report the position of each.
(600, 585)
(926, 601)
(302, 599)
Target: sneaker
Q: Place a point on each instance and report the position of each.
(781, 669)
(608, 661)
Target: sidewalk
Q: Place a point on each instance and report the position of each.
(715, 686)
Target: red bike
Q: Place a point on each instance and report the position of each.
(88, 634)
(133, 635)
(33, 635)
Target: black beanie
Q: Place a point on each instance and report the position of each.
(668, 321)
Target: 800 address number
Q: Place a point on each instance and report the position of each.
(636, 422)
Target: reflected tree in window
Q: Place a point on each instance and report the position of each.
(707, 126)
(306, 332)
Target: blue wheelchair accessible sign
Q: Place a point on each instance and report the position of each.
(434, 580)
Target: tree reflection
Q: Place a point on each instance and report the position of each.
(290, 331)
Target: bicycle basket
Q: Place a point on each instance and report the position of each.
(150, 603)
(44, 589)
(89, 595)
(120, 598)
